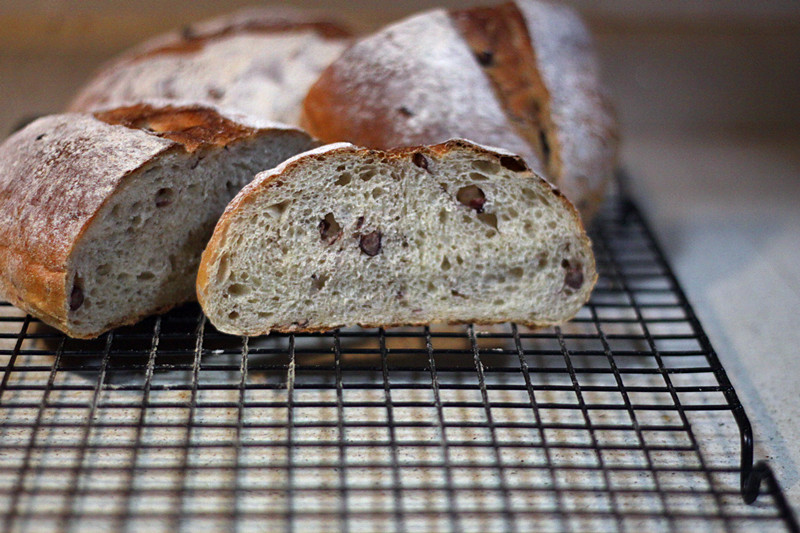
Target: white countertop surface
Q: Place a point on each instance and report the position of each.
(726, 211)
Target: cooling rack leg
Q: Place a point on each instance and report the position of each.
(762, 472)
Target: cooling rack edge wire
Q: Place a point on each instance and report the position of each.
(752, 474)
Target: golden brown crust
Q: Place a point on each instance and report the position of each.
(191, 126)
(499, 39)
(33, 287)
(296, 328)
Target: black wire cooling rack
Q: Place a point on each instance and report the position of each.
(621, 420)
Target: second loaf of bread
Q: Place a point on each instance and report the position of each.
(521, 76)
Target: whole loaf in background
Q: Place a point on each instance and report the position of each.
(255, 61)
(522, 76)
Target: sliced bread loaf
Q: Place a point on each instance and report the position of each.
(103, 218)
(342, 235)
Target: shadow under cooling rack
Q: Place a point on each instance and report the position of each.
(621, 420)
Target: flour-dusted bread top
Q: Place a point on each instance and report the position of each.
(521, 76)
(256, 61)
(343, 235)
(414, 82)
(54, 176)
(62, 176)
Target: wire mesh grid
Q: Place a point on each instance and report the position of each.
(621, 420)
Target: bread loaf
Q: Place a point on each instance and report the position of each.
(256, 61)
(103, 217)
(342, 236)
(520, 75)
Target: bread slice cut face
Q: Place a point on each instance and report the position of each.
(341, 236)
(103, 217)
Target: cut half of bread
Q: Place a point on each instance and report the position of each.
(341, 235)
(103, 217)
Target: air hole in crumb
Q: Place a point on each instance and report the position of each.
(517, 272)
(420, 160)
(377, 191)
(145, 276)
(512, 213)
(472, 196)
(223, 269)
(135, 221)
(477, 176)
(513, 163)
(103, 269)
(238, 289)
(367, 174)
(76, 298)
(487, 167)
(318, 281)
(329, 229)
(541, 260)
(233, 315)
(344, 178)
(164, 196)
(262, 314)
(454, 292)
(276, 210)
(459, 260)
(442, 215)
(446, 264)
(489, 219)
